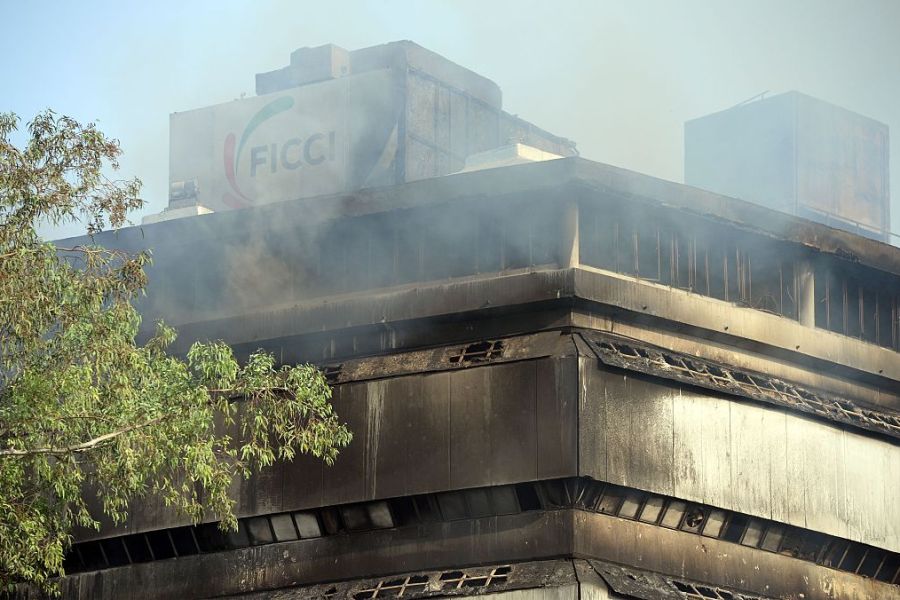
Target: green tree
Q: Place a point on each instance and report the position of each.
(86, 411)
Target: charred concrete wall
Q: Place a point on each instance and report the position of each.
(538, 411)
(441, 428)
(761, 461)
(512, 219)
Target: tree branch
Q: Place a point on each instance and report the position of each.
(82, 447)
(73, 249)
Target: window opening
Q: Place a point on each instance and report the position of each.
(479, 352)
(454, 580)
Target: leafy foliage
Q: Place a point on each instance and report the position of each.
(90, 420)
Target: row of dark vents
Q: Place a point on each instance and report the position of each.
(579, 493)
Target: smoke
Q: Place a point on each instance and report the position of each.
(621, 87)
(619, 78)
(387, 126)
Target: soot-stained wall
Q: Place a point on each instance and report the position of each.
(767, 462)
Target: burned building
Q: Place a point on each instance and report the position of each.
(564, 379)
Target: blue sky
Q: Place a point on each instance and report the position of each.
(620, 78)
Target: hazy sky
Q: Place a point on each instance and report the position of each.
(620, 78)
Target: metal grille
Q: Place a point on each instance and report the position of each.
(420, 585)
(455, 580)
(704, 592)
(478, 352)
(743, 269)
(734, 267)
(407, 586)
(862, 307)
(748, 384)
(630, 582)
(332, 373)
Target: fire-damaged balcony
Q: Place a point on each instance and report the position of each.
(677, 391)
(497, 441)
(565, 214)
(484, 503)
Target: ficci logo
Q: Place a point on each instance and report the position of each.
(289, 155)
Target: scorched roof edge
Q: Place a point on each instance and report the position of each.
(572, 175)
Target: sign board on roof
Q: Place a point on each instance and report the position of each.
(316, 139)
